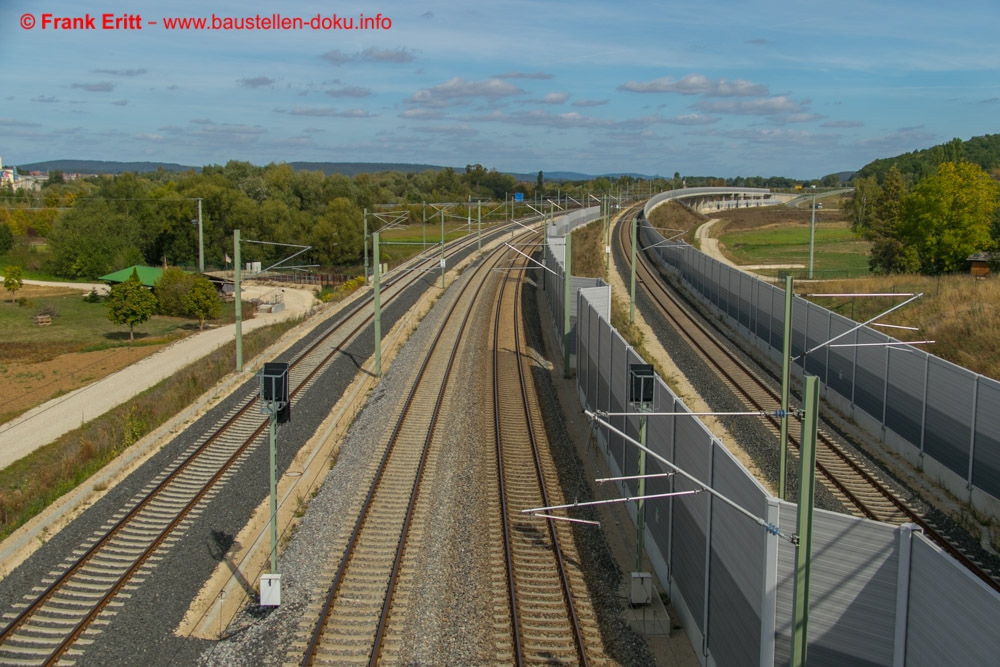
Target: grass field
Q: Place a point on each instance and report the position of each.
(837, 248)
(77, 325)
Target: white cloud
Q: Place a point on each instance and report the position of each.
(453, 130)
(459, 91)
(100, 87)
(692, 119)
(591, 103)
(370, 55)
(120, 72)
(542, 118)
(523, 75)
(422, 114)
(325, 112)
(768, 106)
(697, 84)
(349, 91)
(255, 82)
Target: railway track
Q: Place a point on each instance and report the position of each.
(851, 479)
(352, 622)
(66, 611)
(550, 618)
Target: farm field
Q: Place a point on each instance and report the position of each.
(81, 345)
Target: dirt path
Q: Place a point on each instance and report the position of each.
(710, 244)
(46, 422)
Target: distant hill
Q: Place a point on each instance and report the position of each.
(346, 168)
(984, 151)
(102, 166)
(355, 168)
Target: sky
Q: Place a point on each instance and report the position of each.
(716, 87)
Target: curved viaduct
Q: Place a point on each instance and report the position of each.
(718, 198)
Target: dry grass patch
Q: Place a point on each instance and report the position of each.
(959, 312)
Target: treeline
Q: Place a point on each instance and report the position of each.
(982, 151)
(102, 224)
(98, 225)
(931, 227)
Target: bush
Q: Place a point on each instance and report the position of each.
(25, 302)
(93, 296)
(49, 310)
(6, 238)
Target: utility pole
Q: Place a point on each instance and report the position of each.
(812, 234)
(631, 310)
(201, 242)
(366, 247)
(378, 307)
(803, 551)
(442, 249)
(239, 304)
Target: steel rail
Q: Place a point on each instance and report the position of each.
(332, 593)
(831, 446)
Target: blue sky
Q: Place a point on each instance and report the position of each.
(716, 87)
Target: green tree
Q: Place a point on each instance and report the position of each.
(861, 207)
(202, 301)
(171, 288)
(949, 216)
(6, 238)
(890, 253)
(12, 280)
(130, 303)
(830, 181)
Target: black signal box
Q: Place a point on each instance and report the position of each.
(274, 382)
(643, 382)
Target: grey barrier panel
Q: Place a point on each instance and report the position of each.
(584, 359)
(852, 594)
(693, 455)
(660, 439)
(724, 295)
(951, 617)
(632, 428)
(869, 374)
(619, 380)
(576, 284)
(737, 565)
(840, 371)
(764, 312)
(593, 391)
(603, 356)
(733, 289)
(817, 333)
(986, 457)
(746, 298)
(778, 319)
(904, 398)
(798, 327)
(717, 296)
(948, 426)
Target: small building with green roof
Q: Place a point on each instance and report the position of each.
(148, 275)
